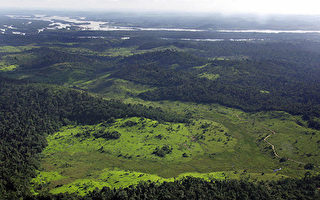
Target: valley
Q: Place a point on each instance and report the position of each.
(84, 109)
(242, 154)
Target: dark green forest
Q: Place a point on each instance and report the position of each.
(291, 86)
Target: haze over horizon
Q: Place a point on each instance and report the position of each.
(264, 7)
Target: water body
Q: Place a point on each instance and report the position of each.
(219, 40)
(83, 24)
(61, 22)
(202, 40)
(18, 33)
(269, 31)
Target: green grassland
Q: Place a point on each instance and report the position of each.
(77, 153)
(264, 92)
(13, 61)
(114, 52)
(293, 141)
(66, 73)
(209, 76)
(293, 138)
(116, 178)
(139, 141)
(121, 52)
(16, 49)
(6, 68)
(231, 149)
(201, 67)
(112, 87)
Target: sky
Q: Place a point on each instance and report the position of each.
(305, 7)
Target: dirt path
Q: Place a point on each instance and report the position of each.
(266, 141)
(269, 143)
(274, 148)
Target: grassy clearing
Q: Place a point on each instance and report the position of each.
(264, 92)
(121, 52)
(4, 68)
(112, 52)
(80, 187)
(88, 162)
(113, 178)
(44, 179)
(16, 49)
(116, 178)
(140, 139)
(18, 58)
(115, 88)
(68, 44)
(82, 153)
(201, 67)
(66, 73)
(293, 139)
(78, 50)
(250, 129)
(221, 58)
(209, 76)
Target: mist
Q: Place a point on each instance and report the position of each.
(226, 7)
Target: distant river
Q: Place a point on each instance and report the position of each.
(62, 22)
(269, 31)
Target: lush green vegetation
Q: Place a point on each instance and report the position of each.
(81, 113)
(7, 68)
(31, 111)
(76, 154)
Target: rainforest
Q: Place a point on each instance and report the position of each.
(110, 106)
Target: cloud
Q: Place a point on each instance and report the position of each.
(222, 6)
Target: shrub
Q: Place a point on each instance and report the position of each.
(309, 166)
(163, 151)
(109, 135)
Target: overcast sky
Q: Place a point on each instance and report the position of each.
(308, 7)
